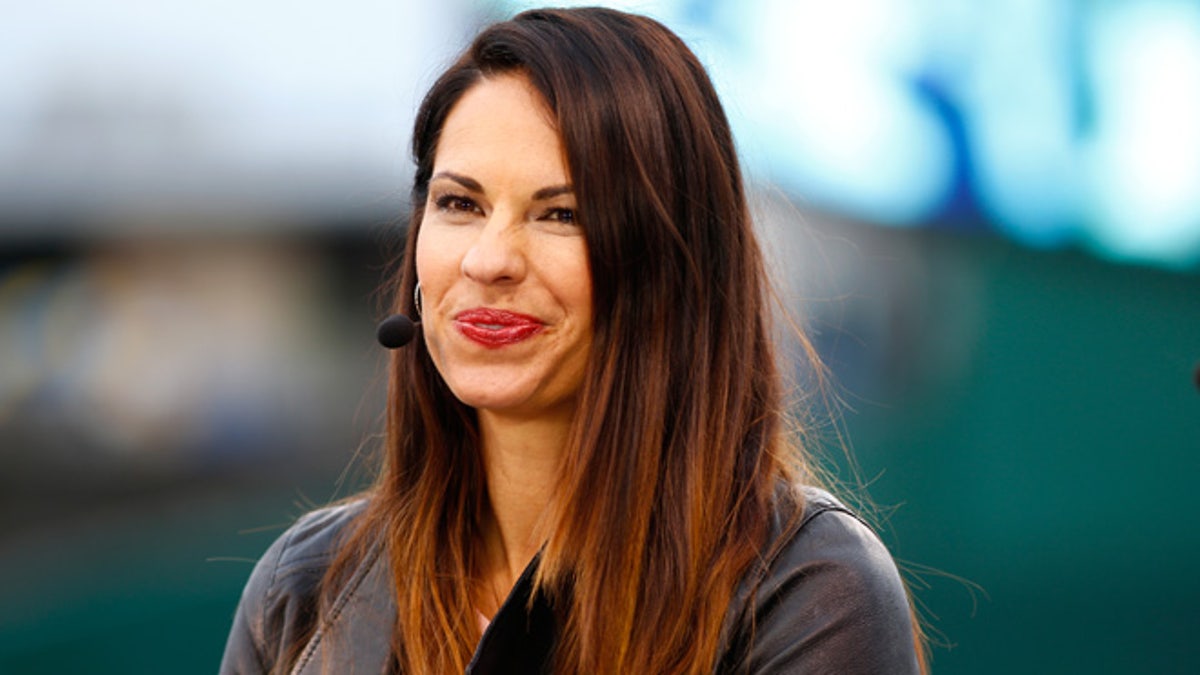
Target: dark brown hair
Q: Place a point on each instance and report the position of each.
(681, 408)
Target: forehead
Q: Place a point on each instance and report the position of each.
(500, 119)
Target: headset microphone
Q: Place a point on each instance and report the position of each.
(396, 331)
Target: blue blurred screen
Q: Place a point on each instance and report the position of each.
(1053, 122)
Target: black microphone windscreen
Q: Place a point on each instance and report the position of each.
(395, 331)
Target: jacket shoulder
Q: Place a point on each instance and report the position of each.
(278, 606)
(827, 590)
(315, 537)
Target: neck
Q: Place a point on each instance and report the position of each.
(521, 458)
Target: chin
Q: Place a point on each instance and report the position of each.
(489, 399)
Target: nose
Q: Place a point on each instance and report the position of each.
(497, 255)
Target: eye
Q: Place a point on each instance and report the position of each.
(562, 215)
(453, 203)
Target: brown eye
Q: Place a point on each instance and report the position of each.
(456, 203)
(564, 216)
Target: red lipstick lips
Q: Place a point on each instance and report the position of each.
(496, 328)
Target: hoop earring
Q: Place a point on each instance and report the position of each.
(417, 298)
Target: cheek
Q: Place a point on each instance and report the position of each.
(436, 265)
(577, 279)
(422, 254)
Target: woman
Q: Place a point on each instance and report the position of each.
(585, 464)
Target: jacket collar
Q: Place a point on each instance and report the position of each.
(356, 639)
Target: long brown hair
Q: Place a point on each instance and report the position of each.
(676, 453)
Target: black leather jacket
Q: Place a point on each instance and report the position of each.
(830, 602)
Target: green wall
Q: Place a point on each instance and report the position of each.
(1056, 470)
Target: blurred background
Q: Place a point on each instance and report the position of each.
(987, 214)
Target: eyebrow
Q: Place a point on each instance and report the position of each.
(553, 191)
(474, 186)
(469, 183)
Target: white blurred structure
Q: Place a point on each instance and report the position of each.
(272, 108)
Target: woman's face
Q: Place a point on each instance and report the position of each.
(506, 290)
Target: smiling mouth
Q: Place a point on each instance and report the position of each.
(496, 328)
